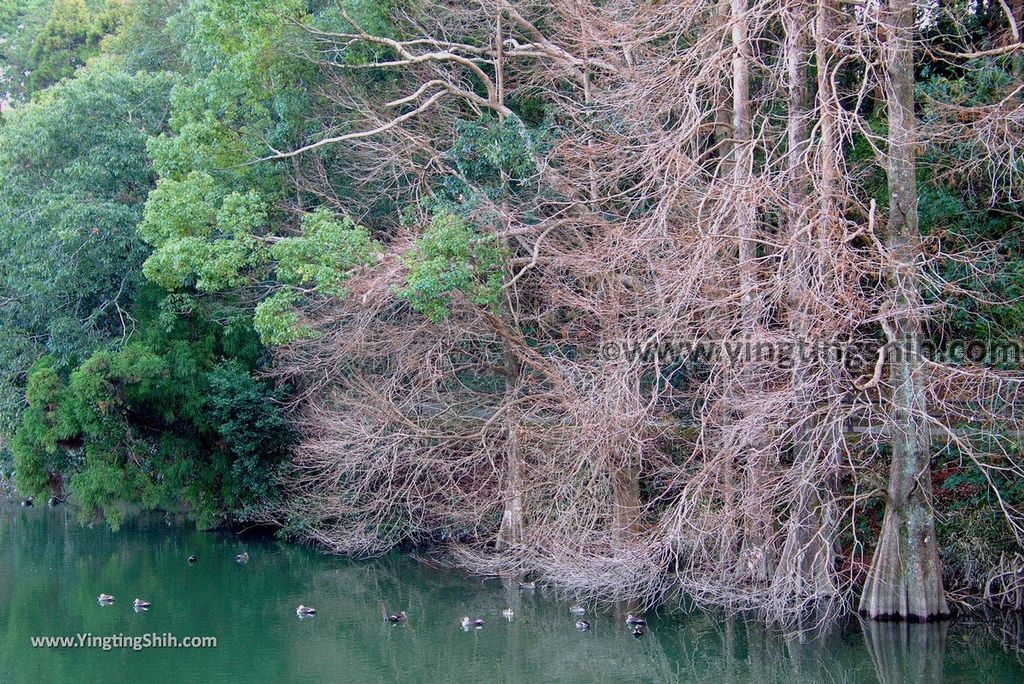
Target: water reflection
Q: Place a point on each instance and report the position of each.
(52, 569)
(906, 652)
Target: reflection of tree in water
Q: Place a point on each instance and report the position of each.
(734, 649)
(961, 650)
(1007, 627)
(51, 570)
(906, 651)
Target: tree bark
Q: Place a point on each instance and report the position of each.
(626, 491)
(805, 565)
(510, 530)
(905, 578)
(754, 555)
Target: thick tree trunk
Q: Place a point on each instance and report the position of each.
(905, 579)
(743, 157)
(510, 531)
(511, 528)
(755, 556)
(805, 564)
(626, 488)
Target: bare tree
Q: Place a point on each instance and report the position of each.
(696, 189)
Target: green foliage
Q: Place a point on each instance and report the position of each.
(214, 219)
(211, 242)
(278, 321)
(486, 149)
(20, 23)
(68, 38)
(73, 177)
(149, 36)
(452, 257)
(492, 157)
(963, 209)
(971, 525)
(323, 256)
(161, 418)
(43, 426)
(245, 88)
(253, 430)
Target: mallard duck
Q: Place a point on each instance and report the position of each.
(192, 560)
(638, 631)
(400, 616)
(577, 610)
(635, 620)
(242, 557)
(476, 623)
(508, 613)
(139, 604)
(528, 585)
(305, 611)
(582, 625)
(105, 598)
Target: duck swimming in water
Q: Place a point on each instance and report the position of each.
(508, 614)
(638, 631)
(582, 625)
(105, 599)
(28, 502)
(468, 624)
(400, 616)
(192, 560)
(138, 604)
(242, 557)
(305, 611)
(635, 620)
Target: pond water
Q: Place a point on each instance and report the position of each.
(52, 569)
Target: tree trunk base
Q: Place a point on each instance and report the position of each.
(905, 580)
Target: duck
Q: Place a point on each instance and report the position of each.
(400, 616)
(242, 557)
(582, 625)
(475, 623)
(528, 585)
(577, 610)
(192, 560)
(638, 631)
(508, 613)
(28, 502)
(138, 604)
(54, 501)
(305, 611)
(635, 620)
(105, 599)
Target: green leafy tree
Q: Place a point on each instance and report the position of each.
(173, 415)
(70, 36)
(73, 178)
(451, 257)
(216, 221)
(20, 23)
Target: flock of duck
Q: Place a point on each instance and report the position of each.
(636, 623)
(139, 605)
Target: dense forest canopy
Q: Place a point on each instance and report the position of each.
(718, 300)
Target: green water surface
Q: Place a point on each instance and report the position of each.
(52, 568)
